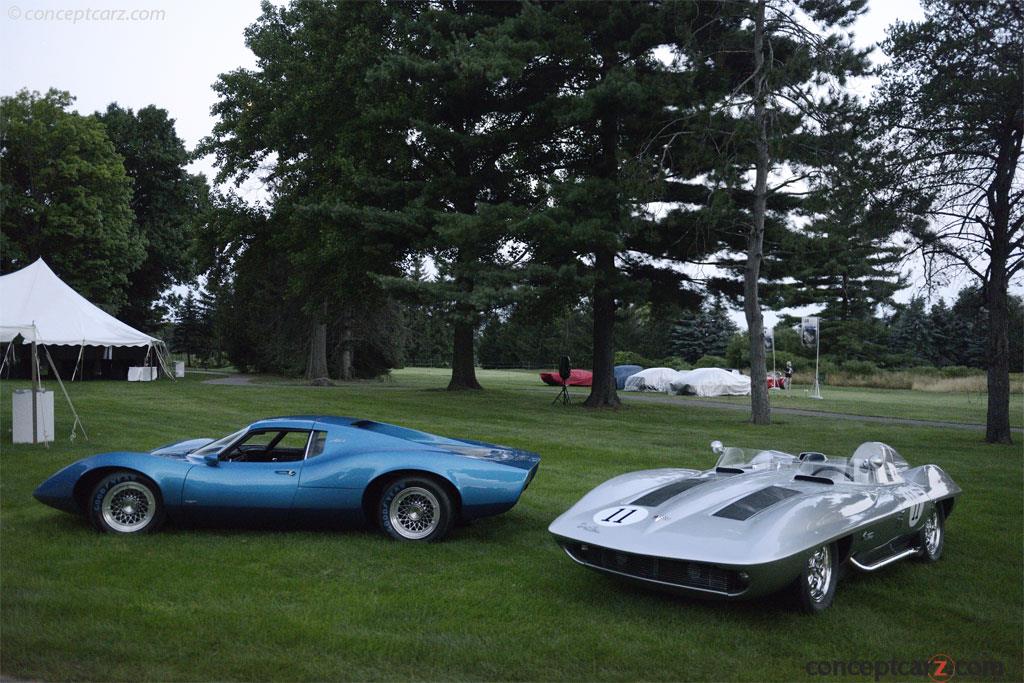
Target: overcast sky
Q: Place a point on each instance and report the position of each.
(170, 53)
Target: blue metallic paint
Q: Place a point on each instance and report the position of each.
(488, 479)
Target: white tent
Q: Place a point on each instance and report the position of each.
(711, 382)
(651, 379)
(35, 296)
(39, 307)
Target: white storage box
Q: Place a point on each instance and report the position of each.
(179, 368)
(145, 373)
(21, 416)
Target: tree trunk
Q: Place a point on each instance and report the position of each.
(760, 408)
(997, 427)
(463, 366)
(602, 391)
(316, 365)
(346, 348)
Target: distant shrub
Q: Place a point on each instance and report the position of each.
(670, 362)
(710, 362)
(859, 367)
(630, 358)
(960, 371)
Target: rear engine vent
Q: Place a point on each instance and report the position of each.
(750, 505)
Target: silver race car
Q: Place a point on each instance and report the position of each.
(762, 521)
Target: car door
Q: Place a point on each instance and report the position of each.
(254, 480)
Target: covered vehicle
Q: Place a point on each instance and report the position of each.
(293, 469)
(651, 379)
(623, 372)
(577, 378)
(761, 521)
(710, 382)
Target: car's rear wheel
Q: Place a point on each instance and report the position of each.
(932, 538)
(816, 586)
(415, 509)
(126, 503)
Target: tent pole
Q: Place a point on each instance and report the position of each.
(35, 389)
(81, 349)
(78, 421)
(6, 354)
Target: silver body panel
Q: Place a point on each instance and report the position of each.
(618, 528)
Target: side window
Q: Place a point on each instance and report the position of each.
(274, 445)
(252, 448)
(316, 446)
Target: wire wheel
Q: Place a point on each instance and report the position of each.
(932, 534)
(128, 507)
(414, 512)
(819, 574)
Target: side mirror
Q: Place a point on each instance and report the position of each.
(876, 462)
(211, 459)
(716, 447)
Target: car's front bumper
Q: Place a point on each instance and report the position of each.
(689, 577)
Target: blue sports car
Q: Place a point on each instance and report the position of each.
(413, 484)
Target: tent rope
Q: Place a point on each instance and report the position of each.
(78, 421)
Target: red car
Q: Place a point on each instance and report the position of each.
(577, 378)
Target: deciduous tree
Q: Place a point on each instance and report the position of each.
(952, 116)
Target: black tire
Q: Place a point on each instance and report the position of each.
(415, 509)
(125, 502)
(815, 588)
(931, 546)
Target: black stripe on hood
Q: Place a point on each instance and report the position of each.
(659, 496)
(749, 505)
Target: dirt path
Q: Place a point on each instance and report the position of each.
(248, 380)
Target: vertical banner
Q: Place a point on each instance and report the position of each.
(768, 334)
(809, 332)
(810, 337)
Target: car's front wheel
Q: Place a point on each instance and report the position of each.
(816, 585)
(415, 509)
(126, 503)
(932, 538)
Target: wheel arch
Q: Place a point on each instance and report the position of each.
(844, 548)
(85, 484)
(374, 490)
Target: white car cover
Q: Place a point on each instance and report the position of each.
(651, 379)
(710, 382)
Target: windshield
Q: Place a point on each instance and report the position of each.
(219, 445)
(753, 459)
(871, 463)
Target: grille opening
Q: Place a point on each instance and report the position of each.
(680, 573)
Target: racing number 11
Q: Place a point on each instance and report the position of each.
(612, 517)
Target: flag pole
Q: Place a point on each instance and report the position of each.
(817, 355)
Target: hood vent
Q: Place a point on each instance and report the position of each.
(748, 506)
(659, 496)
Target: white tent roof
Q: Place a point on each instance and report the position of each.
(35, 300)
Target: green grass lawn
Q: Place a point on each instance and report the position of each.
(498, 600)
(903, 403)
